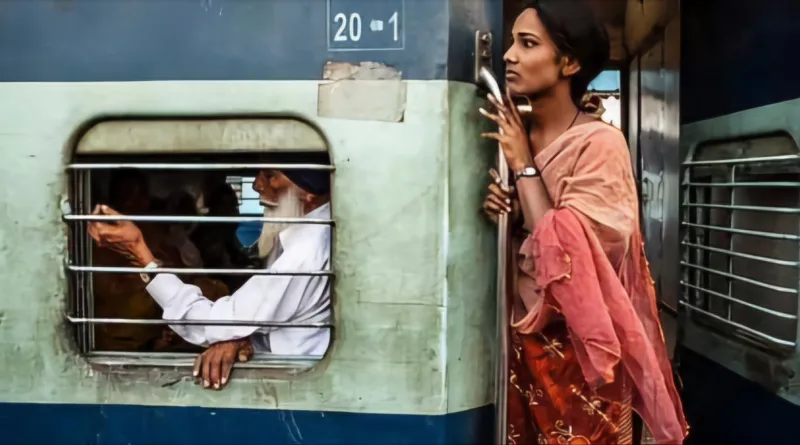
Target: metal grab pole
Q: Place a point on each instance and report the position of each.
(501, 366)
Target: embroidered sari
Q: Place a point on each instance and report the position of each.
(586, 345)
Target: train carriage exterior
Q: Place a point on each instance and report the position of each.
(410, 360)
(386, 89)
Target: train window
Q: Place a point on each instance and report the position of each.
(188, 186)
(740, 219)
(607, 86)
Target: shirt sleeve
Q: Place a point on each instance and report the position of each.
(262, 298)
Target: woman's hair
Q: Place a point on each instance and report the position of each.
(577, 33)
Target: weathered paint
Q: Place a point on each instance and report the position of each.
(365, 91)
(131, 135)
(413, 258)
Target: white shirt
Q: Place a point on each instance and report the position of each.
(281, 298)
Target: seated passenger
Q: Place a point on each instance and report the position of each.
(124, 295)
(219, 246)
(263, 298)
(182, 203)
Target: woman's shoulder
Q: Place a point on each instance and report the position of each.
(601, 138)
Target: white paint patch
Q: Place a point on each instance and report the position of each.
(368, 91)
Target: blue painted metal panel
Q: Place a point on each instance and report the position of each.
(145, 425)
(724, 408)
(737, 55)
(123, 40)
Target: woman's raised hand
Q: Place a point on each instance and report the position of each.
(513, 137)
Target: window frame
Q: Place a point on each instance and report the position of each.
(106, 138)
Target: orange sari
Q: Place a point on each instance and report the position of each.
(586, 343)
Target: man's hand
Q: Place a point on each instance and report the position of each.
(122, 237)
(214, 365)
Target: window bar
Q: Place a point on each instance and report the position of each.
(748, 256)
(74, 241)
(87, 204)
(248, 323)
(740, 326)
(770, 235)
(789, 184)
(87, 216)
(194, 271)
(785, 290)
(742, 302)
(177, 166)
(790, 210)
(82, 242)
(780, 158)
(732, 215)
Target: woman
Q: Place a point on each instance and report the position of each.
(586, 344)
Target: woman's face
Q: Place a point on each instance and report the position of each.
(533, 65)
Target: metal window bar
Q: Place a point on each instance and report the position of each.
(295, 363)
(190, 166)
(696, 249)
(196, 219)
(80, 252)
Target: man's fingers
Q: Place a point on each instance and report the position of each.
(198, 362)
(106, 210)
(216, 363)
(225, 369)
(246, 353)
(206, 371)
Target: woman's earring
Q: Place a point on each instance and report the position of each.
(523, 104)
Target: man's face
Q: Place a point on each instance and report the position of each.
(281, 199)
(271, 185)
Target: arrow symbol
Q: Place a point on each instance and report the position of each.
(376, 25)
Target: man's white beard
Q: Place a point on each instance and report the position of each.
(289, 206)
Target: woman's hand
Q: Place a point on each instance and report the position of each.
(501, 200)
(513, 138)
(122, 237)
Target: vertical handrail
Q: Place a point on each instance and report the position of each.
(501, 378)
(501, 367)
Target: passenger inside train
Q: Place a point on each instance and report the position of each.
(261, 298)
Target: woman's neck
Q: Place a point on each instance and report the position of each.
(551, 115)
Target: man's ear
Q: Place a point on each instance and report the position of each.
(569, 67)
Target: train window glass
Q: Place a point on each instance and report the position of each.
(188, 185)
(740, 217)
(607, 86)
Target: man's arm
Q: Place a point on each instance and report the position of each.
(262, 298)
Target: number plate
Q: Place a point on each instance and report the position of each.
(359, 25)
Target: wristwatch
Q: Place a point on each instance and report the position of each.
(527, 172)
(145, 276)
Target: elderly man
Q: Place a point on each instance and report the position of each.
(268, 184)
(263, 298)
